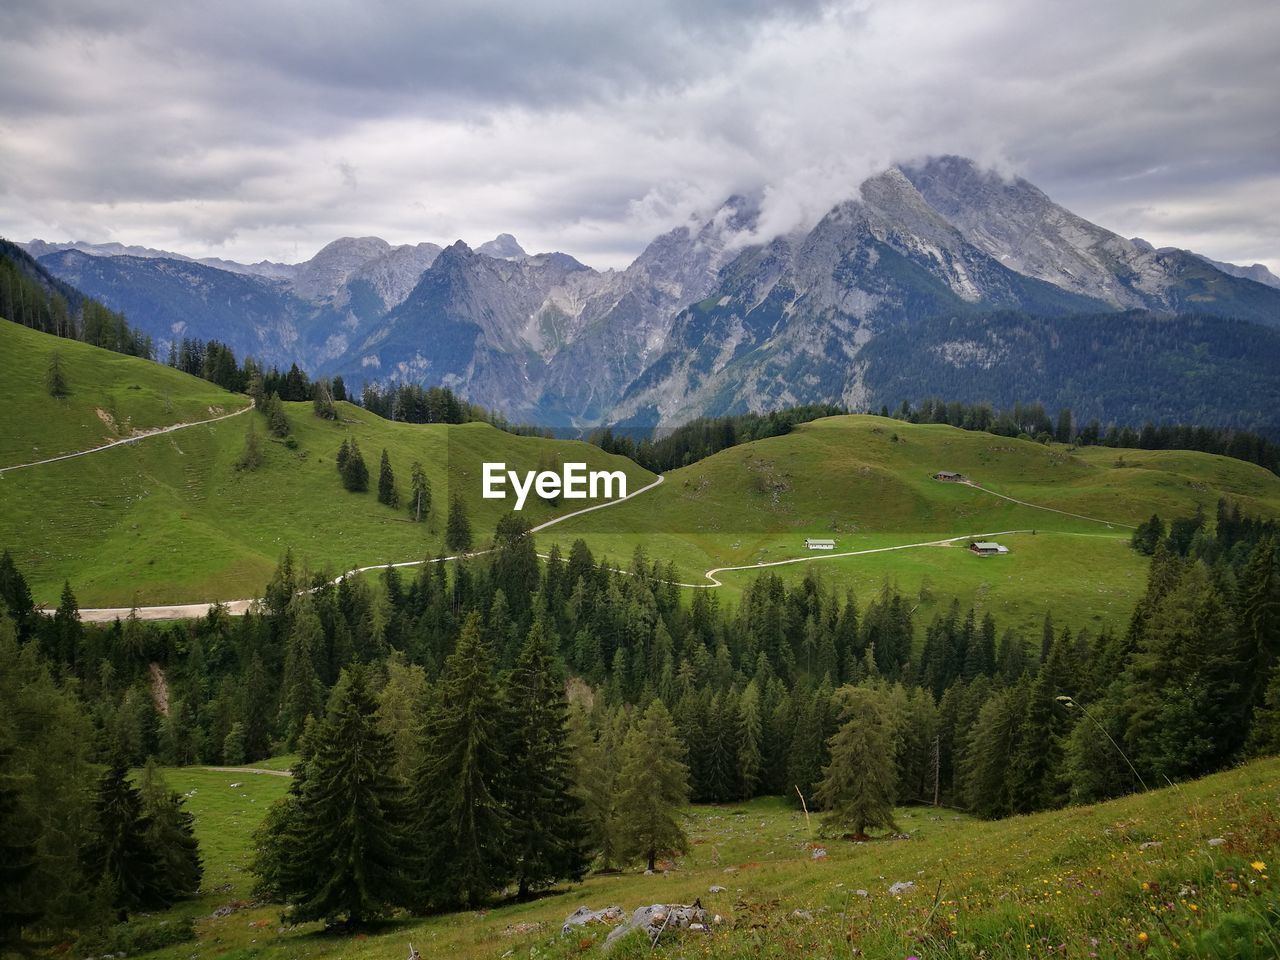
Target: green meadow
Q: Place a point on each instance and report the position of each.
(1135, 876)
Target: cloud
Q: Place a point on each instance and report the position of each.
(266, 130)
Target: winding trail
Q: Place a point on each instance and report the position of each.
(133, 439)
(240, 607)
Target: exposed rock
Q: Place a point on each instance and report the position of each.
(818, 853)
(659, 918)
(901, 887)
(716, 888)
(1217, 841)
(585, 916)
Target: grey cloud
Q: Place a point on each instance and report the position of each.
(266, 130)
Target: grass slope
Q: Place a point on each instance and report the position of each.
(169, 519)
(867, 482)
(111, 397)
(1071, 883)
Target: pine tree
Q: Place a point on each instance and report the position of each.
(457, 536)
(303, 694)
(352, 855)
(859, 783)
(18, 850)
(420, 492)
(546, 819)
(56, 377)
(465, 825)
(251, 457)
(750, 759)
(653, 785)
(355, 475)
(387, 492)
(171, 833)
(121, 857)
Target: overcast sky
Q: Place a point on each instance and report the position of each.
(265, 129)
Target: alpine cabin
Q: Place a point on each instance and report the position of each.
(812, 544)
(985, 548)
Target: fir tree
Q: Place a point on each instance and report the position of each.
(546, 819)
(121, 857)
(457, 536)
(387, 492)
(18, 848)
(56, 377)
(303, 694)
(355, 475)
(859, 783)
(653, 785)
(251, 457)
(419, 492)
(465, 825)
(171, 833)
(351, 857)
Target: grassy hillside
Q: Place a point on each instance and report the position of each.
(1072, 883)
(111, 396)
(867, 482)
(171, 519)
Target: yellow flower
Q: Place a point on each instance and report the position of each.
(1258, 865)
(1142, 937)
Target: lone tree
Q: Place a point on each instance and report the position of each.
(387, 492)
(420, 495)
(355, 475)
(349, 855)
(56, 378)
(653, 786)
(457, 534)
(322, 401)
(859, 783)
(251, 457)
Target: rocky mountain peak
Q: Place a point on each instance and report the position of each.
(502, 247)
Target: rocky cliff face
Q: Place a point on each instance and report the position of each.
(703, 321)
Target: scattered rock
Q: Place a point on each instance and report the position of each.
(584, 916)
(659, 918)
(1217, 841)
(801, 915)
(716, 888)
(902, 886)
(862, 893)
(521, 929)
(1151, 844)
(730, 869)
(818, 853)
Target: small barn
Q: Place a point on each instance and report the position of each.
(949, 476)
(811, 544)
(986, 548)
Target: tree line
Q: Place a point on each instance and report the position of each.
(32, 297)
(1031, 421)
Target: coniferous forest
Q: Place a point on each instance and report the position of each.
(487, 729)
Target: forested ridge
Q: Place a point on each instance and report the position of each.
(570, 681)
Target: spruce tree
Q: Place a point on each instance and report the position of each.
(387, 492)
(352, 852)
(457, 535)
(251, 456)
(355, 475)
(303, 694)
(121, 858)
(419, 492)
(56, 377)
(18, 908)
(653, 786)
(171, 833)
(858, 785)
(547, 826)
(465, 824)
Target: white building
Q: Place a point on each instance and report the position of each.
(812, 544)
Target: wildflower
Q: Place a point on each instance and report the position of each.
(1142, 937)
(1258, 866)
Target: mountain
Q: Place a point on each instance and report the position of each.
(711, 317)
(502, 247)
(263, 268)
(1257, 272)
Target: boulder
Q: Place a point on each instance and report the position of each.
(584, 916)
(659, 918)
(901, 887)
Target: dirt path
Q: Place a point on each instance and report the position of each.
(188, 611)
(134, 439)
(250, 770)
(1036, 506)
